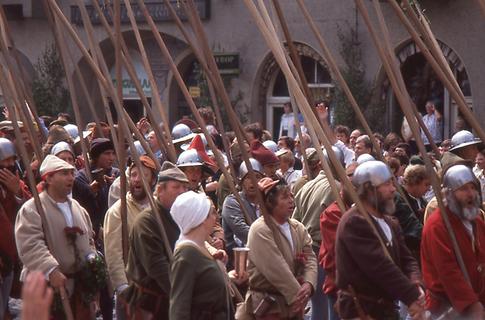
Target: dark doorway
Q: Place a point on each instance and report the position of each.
(133, 107)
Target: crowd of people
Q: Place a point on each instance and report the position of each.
(169, 251)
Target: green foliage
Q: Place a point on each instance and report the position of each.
(354, 74)
(48, 86)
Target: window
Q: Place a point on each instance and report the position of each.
(317, 76)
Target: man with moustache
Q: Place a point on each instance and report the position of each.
(137, 200)
(445, 282)
(370, 282)
(59, 243)
(148, 267)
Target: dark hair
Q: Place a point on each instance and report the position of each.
(207, 114)
(271, 197)
(255, 129)
(290, 142)
(391, 140)
(65, 116)
(342, 129)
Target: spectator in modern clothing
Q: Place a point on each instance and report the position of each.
(433, 122)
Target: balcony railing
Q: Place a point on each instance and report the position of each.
(158, 11)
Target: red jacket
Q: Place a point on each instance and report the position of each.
(441, 273)
(9, 205)
(329, 220)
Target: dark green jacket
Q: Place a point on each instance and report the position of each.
(148, 267)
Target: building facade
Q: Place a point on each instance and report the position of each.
(251, 74)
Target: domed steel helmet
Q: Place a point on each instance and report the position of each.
(72, 130)
(375, 172)
(462, 139)
(338, 153)
(7, 149)
(255, 164)
(457, 176)
(189, 158)
(364, 158)
(181, 132)
(271, 145)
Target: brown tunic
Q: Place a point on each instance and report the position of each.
(362, 264)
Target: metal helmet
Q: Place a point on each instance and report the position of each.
(7, 149)
(462, 139)
(72, 130)
(271, 145)
(375, 172)
(457, 176)
(189, 158)
(255, 164)
(338, 153)
(364, 158)
(181, 132)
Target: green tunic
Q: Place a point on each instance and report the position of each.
(198, 286)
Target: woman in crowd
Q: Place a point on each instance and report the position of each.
(282, 266)
(198, 283)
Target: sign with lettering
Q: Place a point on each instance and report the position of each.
(228, 63)
(158, 11)
(129, 89)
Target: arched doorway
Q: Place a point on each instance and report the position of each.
(423, 85)
(274, 89)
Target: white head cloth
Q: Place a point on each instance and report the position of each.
(53, 164)
(61, 146)
(189, 210)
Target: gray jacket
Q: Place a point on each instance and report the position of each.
(233, 222)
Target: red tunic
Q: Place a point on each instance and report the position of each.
(329, 220)
(441, 273)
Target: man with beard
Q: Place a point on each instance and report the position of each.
(148, 267)
(329, 220)
(445, 282)
(136, 201)
(370, 281)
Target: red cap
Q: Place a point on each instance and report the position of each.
(263, 154)
(198, 145)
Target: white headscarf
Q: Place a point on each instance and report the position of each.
(189, 210)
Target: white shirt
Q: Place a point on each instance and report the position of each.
(434, 128)
(288, 124)
(384, 227)
(66, 211)
(285, 229)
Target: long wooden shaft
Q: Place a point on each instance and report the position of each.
(102, 76)
(128, 64)
(389, 53)
(456, 93)
(196, 114)
(310, 117)
(403, 102)
(337, 75)
(275, 42)
(74, 99)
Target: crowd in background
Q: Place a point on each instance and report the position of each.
(166, 249)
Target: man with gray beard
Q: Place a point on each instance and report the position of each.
(370, 282)
(446, 285)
